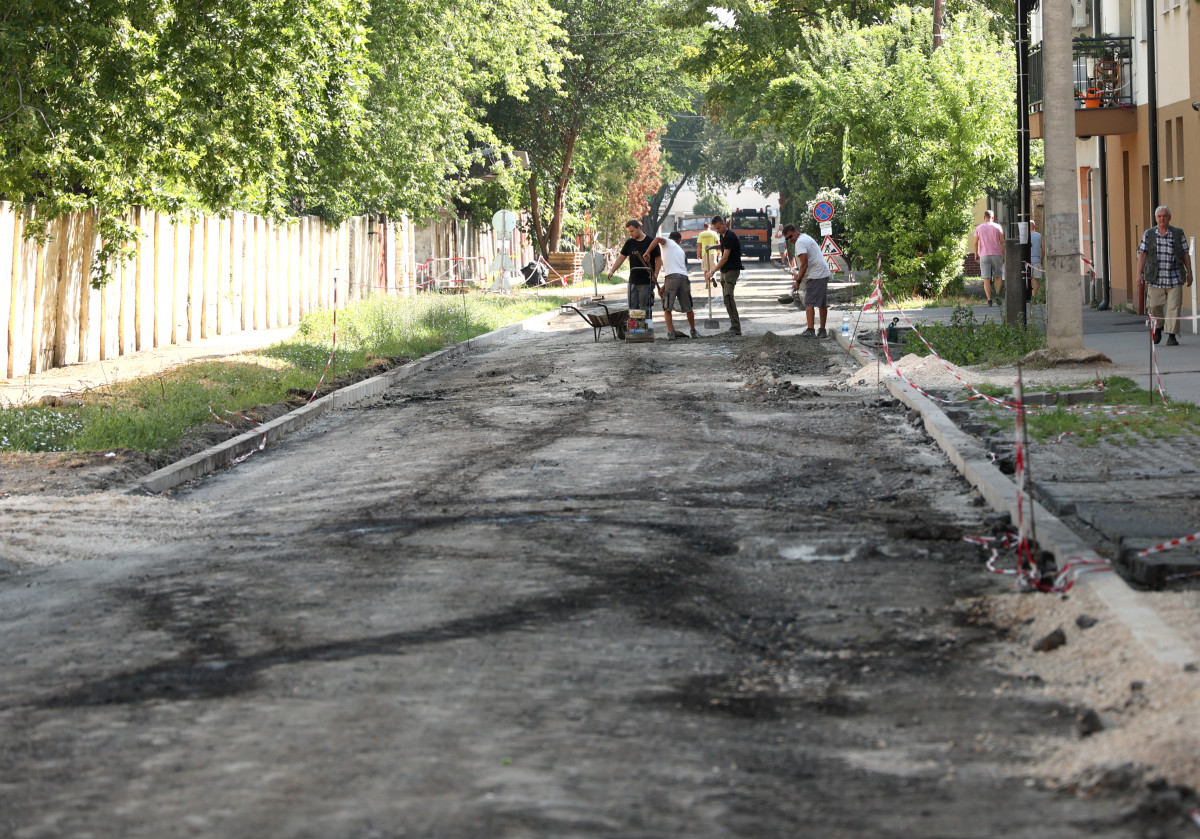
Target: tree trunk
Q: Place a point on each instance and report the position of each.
(656, 217)
(535, 214)
(554, 233)
(1064, 312)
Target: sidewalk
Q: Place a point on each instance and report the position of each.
(63, 381)
(1128, 493)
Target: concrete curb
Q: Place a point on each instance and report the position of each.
(222, 454)
(971, 460)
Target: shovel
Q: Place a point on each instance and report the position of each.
(711, 323)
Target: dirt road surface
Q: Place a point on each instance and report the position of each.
(553, 589)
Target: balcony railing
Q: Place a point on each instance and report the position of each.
(1103, 70)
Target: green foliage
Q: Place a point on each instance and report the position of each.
(434, 66)
(152, 413)
(966, 340)
(172, 104)
(923, 133)
(619, 75)
(1088, 424)
(711, 204)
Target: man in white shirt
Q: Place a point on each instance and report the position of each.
(676, 285)
(810, 267)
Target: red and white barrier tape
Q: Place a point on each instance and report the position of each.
(1174, 543)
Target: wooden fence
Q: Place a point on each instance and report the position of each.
(188, 280)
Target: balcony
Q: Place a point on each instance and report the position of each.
(1103, 71)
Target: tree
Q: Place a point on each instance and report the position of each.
(434, 67)
(923, 133)
(711, 204)
(620, 72)
(171, 104)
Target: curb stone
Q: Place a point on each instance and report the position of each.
(971, 460)
(223, 453)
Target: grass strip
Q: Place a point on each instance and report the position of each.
(153, 413)
(1123, 414)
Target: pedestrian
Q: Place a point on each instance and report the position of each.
(729, 266)
(1163, 267)
(781, 244)
(707, 243)
(676, 285)
(1037, 250)
(812, 268)
(640, 290)
(989, 248)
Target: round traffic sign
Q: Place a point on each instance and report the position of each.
(594, 264)
(504, 221)
(823, 211)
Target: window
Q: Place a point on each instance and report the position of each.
(1169, 155)
(1178, 148)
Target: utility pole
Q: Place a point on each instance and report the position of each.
(937, 23)
(1023, 201)
(1064, 307)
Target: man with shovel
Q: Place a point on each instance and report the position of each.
(729, 266)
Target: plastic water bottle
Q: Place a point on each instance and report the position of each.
(846, 325)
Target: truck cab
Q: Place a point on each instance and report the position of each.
(689, 227)
(753, 229)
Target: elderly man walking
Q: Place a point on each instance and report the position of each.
(1163, 268)
(989, 247)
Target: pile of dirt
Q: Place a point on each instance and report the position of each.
(784, 355)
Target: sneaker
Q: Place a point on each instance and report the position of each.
(734, 332)
(1172, 341)
(989, 302)
(694, 334)
(671, 336)
(678, 334)
(1157, 335)
(821, 333)
(808, 333)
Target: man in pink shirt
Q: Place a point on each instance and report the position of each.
(989, 248)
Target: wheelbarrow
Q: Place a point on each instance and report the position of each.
(601, 316)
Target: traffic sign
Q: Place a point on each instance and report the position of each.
(823, 211)
(827, 228)
(594, 263)
(504, 222)
(831, 261)
(830, 248)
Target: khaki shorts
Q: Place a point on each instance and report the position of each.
(816, 293)
(677, 287)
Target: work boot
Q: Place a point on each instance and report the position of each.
(1157, 335)
(694, 334)
(678, 334)
(1172, 341)
(989, 302)
(821, 333)
(733, 332)
(809, 333)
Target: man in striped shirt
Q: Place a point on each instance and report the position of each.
(1163, 268)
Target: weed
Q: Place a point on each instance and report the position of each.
(1120, 415)
(966, 340)
(152, 413)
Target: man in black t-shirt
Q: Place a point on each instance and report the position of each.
(641, 283)
(729, 266)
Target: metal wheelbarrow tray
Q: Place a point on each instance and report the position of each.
(601, 316)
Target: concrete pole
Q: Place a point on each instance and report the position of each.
(1064, 311)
